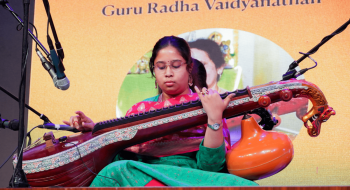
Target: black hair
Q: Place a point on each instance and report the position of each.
(211, 48)
(199, 75)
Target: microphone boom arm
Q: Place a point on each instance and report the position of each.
(291, 73)
(6, 6)
(42, 116)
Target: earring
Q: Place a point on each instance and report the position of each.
(190, 80)
(156, 85)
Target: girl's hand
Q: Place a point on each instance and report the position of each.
(213, 104)
(80, 122)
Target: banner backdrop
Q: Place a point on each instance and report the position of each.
(108, 44)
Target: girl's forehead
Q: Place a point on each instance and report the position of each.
(169, 53)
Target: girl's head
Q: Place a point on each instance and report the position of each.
(171, 65)
(178, 43)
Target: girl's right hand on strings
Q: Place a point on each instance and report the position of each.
(80, 122)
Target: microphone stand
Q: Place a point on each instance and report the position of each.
(19, 178)
(4, 3)
(52, 56)
(292, 73)
(41, 116)
(53, 29)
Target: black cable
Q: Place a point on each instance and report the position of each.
(48, 21)
(47, 28)
(58, 46)
(8, 157)
(308, 55)
(28, 134)
(23, 70)
(20, 26)
(25, 63)
(302, 71)
(324, 40)
(291, 72)
(20, 152)
(7, 7)
(41, 116)
(22, 73)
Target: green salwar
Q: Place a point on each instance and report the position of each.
(198, 168)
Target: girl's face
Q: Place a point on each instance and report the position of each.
(170, 71)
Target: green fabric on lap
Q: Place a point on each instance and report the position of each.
(178, 170)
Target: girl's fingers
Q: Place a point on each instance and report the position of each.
(66, 122)
(80, 122)
(81, 114)
(204, 91)
(228, 99)
(71, 120)
(200, 95)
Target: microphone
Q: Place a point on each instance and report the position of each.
(62, 84)
(59, 68)
(58, 127)
(6, 124)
